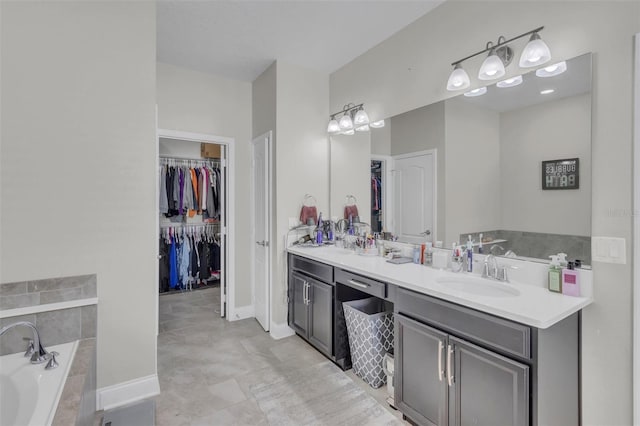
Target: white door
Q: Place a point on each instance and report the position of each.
(261, 218)
(223, 231)
(414, 196)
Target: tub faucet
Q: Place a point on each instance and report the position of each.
(36, 351)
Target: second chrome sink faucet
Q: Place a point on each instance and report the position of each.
(492, 270)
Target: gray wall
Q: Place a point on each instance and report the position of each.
(472, 169)
(78, 168)
(548, 131)
(456, 29)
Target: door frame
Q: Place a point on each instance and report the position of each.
(269, 204)
(229, 249)
(636, 235)
(434, 152)
(387, 202)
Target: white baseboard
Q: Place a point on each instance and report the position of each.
(242, 312)
(280, 331)
(125, 393)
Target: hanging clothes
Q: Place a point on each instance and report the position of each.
(173, 264)
(164, 202)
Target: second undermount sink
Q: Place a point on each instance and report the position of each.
(478, 286)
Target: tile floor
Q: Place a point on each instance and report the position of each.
(215, 372)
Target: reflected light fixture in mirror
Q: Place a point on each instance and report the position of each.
(377, 124)
(346, 123)
(361, 118)
(363, 128)
(510, 82)
(500, 56)
(552, 70)
(354, 118)
(333, 126)
(476, 92)
(535, 53)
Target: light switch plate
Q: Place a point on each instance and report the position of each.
(609, 250)
(293, 222)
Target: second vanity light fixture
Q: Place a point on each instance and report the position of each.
(354, 119)
(535, 53)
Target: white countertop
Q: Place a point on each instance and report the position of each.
(534, 306)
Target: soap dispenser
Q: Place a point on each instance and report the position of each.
(570, 282)
(555, 275)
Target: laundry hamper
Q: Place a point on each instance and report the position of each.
(370, 331)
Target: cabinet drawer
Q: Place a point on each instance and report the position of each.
(476, 326)
(364, 284)
(311, 267)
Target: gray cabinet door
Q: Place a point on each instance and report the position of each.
(488, 389)
(298, 311)
(321, 316)
(420, 381)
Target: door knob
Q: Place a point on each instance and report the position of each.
(263, 243)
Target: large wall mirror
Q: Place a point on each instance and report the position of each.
(512, 164)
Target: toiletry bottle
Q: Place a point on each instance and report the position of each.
(428, 254)
(562, 260)
(555, 275)
(469, 254)
(350, 230)
(319, 230)
(422, 249)
(570, 281)
(480, 244)
(416, 254)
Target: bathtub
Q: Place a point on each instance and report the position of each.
(30, 394)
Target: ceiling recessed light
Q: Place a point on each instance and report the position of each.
(510, 82)
(476, 92)
(552, 70)
(547, 91)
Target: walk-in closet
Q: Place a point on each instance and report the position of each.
(192, 217)
(376, 196)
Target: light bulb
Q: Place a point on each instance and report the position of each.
(345, 122)
(458, 80)
(510, 82)
(491, 68)
(552, 70)
(361, 118)
(476, 92)
(377, 124)
(333, 126)
(536, 52)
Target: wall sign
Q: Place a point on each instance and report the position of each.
(561, 174)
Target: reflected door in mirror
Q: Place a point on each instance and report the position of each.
(414, 195)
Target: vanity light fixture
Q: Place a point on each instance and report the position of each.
(547, 91)
(476, 92)
(552, 70)
(352, 118)
(510, 82)
(500, 56)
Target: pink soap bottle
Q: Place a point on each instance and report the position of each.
(570, 281)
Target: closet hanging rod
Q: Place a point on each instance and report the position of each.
(166, 157)
(182, 225)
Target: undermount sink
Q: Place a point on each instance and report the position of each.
(478, 286)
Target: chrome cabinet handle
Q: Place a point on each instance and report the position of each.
(359, 284)
(440, 348)
(304, 292)
(449, 365)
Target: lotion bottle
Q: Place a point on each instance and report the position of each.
(469, 254)
(570, 281)
(555, 275)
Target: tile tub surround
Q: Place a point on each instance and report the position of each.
(52, 290)
(54, 327)
(77, 404)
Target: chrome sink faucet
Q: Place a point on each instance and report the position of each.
(492, 270)
(35, 350)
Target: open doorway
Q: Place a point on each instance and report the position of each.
(195, 218)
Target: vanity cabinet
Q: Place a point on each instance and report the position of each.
(311, 303)
(443, 380)
(457, 366)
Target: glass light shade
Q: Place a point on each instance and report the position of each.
(345, 122)
(476, 92)
(458, 80)
(552, 70)
(360, 119)
(377, 124)
(510, 82)
(363, 128)
(491, 68)
(333, 126)
(536, 52)
(349, 132)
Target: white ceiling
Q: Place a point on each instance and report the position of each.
(240, 39)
